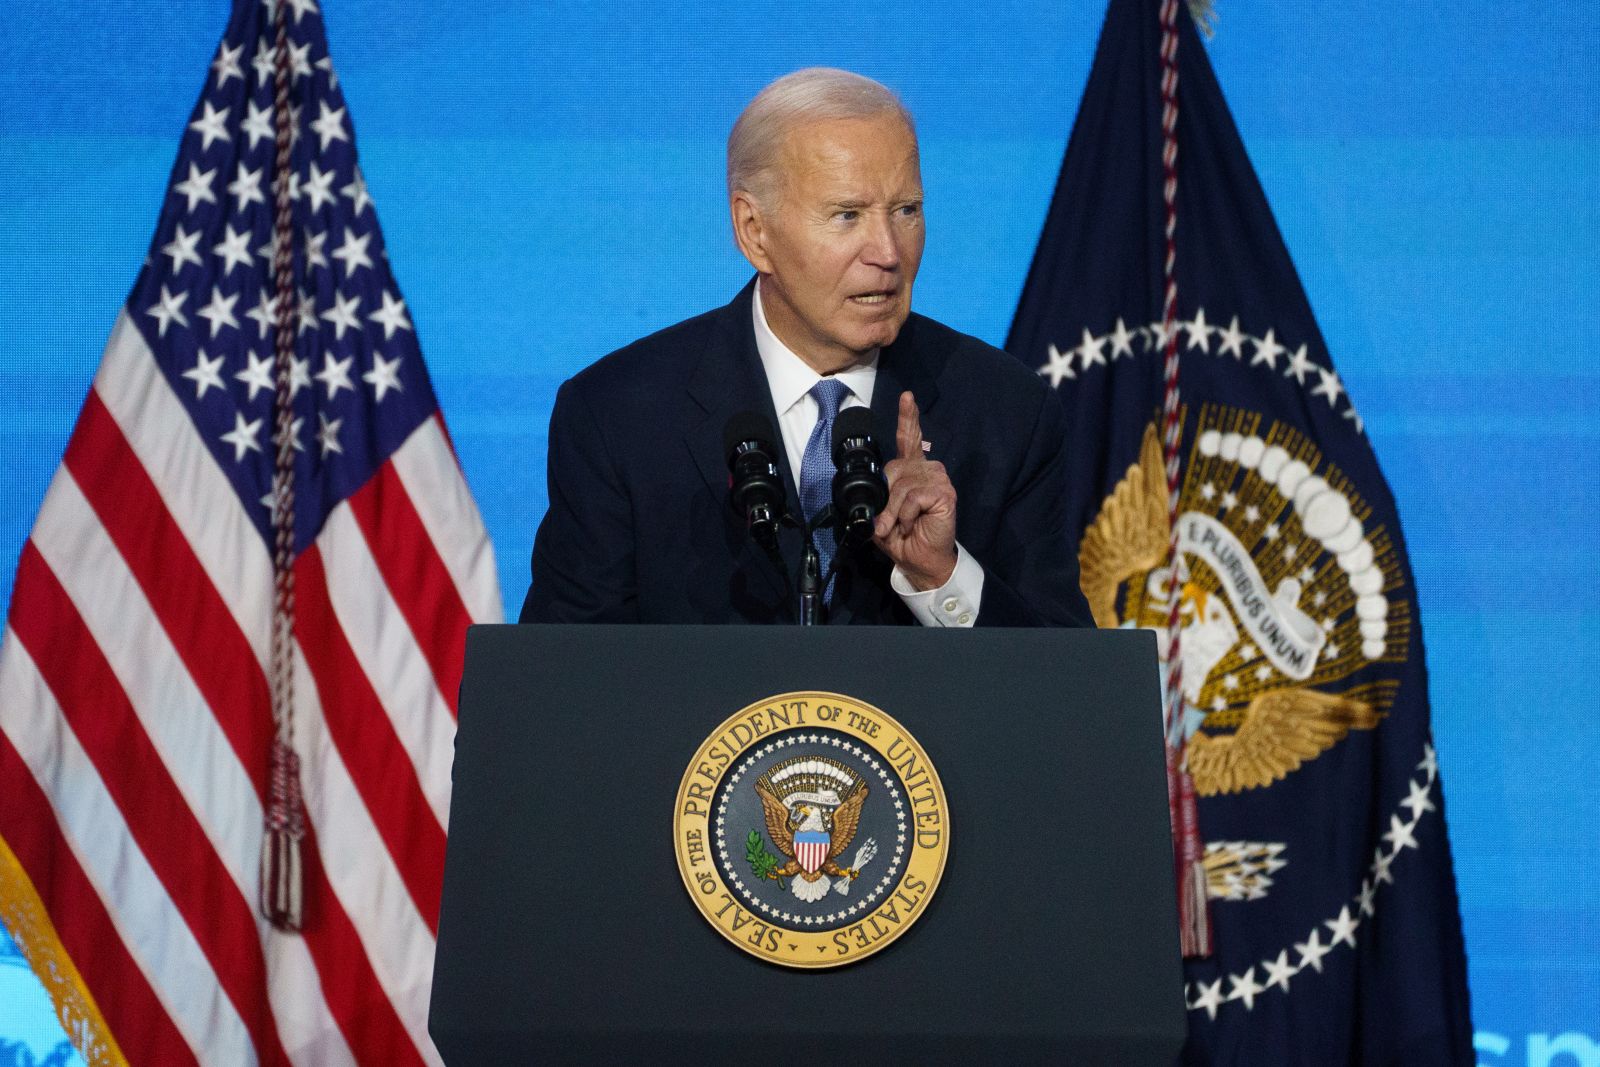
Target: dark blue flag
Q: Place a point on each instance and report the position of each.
(1332, 900)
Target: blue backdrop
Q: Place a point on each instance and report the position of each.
(549, 181)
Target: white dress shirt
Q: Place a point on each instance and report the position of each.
(790, 380)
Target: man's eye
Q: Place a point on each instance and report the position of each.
(910, 210)
(848, 216)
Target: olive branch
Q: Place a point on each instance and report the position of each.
(762, 863)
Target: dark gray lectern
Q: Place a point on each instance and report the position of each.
(567, 935)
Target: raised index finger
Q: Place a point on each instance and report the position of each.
(908, 434)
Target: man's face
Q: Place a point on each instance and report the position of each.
(839, 249)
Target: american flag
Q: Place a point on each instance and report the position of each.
(135, 716)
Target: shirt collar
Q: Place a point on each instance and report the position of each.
(790, 378)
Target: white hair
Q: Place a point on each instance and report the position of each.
(809, 95)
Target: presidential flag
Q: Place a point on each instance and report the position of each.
(137, 673)
(1304, 717)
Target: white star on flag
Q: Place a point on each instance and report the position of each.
(257, 374)
(1329, 387)
(335, 374)
(1199, 332)
(227, 64)
(1343, 928)
(356, 190)
(246, 187)
(328, 434)
(258, 124)
(1058, 367)
(1245, 988)
(1311, 951)
(316, 186)
(196, 187)
(329, 125)
(343, 314)
(1299, 365)
(1121, 340)
(299, 375)
(1267, 351)
(234, 248)
(1090, 350)
(182, 248)
(384, 376)
(1279, 971)
(262, 313)
(1402, 835)
(392, 315)
(212, 126)
(1418, 800)
(204, 374)
(353, 253)
(167, 310)
(1231, 340)
(243, 436)
(1210, 998)
(219, 312)
(314, 254)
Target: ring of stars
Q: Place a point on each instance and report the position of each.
(1340, 930)
(1196, 333)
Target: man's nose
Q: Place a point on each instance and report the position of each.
(883, 244)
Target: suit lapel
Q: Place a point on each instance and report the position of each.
(729, 379)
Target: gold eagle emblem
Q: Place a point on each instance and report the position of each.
(1276, 725)
(840, 823)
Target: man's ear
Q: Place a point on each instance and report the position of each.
(750, 230)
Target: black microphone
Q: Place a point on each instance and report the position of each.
(755, 487)
(859, 489)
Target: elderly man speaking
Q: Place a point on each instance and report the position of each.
(825, 192)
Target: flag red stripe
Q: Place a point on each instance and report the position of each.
(96, 707)
(365, 1015)
(417, 579)
(229, 677)
(137, 1019)
(361, 730)
(203, 632)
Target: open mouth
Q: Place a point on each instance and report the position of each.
(868, 299)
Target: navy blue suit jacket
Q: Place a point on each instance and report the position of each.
(640, 528)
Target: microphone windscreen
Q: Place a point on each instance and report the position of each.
(747, 426)
(851, 422)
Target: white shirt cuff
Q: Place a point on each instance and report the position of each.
(955, 603)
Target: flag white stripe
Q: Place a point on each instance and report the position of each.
(363, 875)
(197, 493)
(177, 720)
(433, 480)
(389, 655)
(148, 923)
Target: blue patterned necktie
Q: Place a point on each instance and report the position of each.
(816, 466)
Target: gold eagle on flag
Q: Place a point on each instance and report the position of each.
(1256, 729)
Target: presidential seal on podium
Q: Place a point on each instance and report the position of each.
(811, 829)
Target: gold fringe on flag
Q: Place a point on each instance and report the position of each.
(25, 917)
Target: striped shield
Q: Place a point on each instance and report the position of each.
(811, 849)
